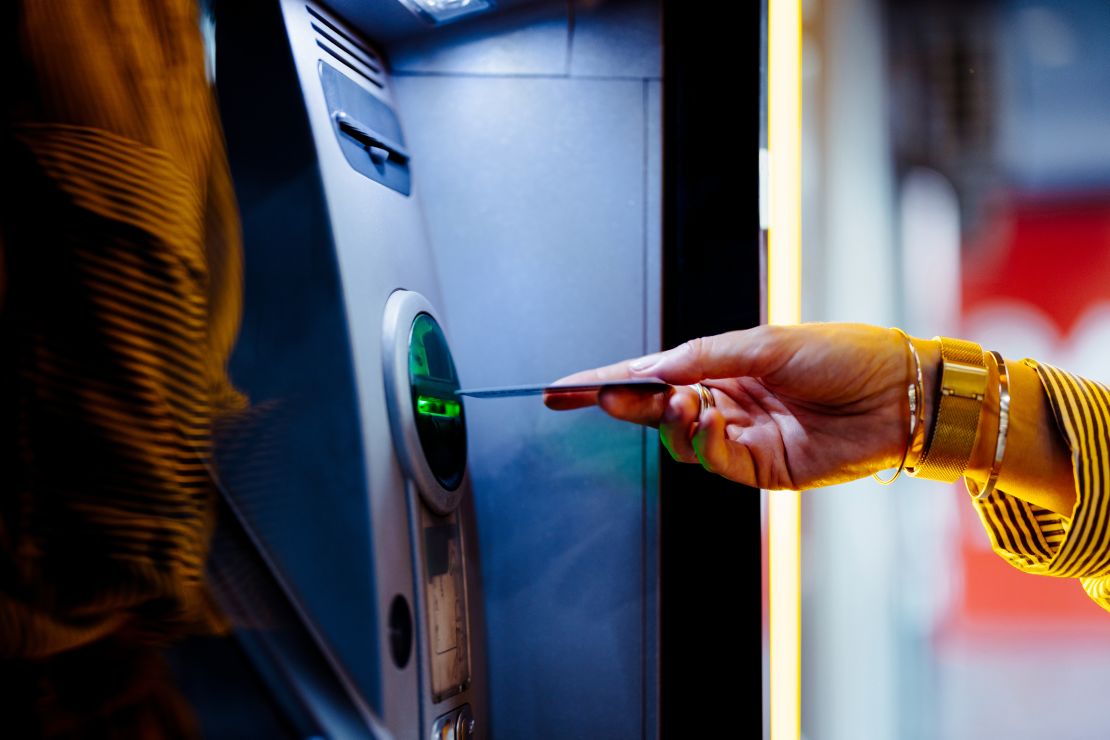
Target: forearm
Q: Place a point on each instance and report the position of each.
(1037, 464)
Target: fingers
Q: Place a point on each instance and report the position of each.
(688, 437)
(751, 352)
(734, 354)
(567, 401)
(717, 453)
(639, 407)
(677, 423)
(616, 371)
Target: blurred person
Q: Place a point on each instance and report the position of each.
(119, 303)
(796, 407)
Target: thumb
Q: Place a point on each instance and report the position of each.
(735, 354)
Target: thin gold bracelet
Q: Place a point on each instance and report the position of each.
(1003, 428)
(916, 395)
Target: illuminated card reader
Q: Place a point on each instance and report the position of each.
(439, 418)
(429, 433)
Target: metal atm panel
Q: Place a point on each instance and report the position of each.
(339, 286)
(539, 137)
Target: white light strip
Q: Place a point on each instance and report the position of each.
(784, 269)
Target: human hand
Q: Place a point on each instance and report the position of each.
(796, 406)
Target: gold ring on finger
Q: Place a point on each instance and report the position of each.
(705, 398)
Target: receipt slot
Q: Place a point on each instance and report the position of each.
(429, 433)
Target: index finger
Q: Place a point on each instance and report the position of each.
(729, 355)
(748, 352)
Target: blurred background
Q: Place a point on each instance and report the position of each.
(956, 169)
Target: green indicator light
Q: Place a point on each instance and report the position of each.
(429, 406)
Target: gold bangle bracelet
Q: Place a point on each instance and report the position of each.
(1003, 428)
(962, 385)
(917, 407)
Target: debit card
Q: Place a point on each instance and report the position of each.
(644, 385)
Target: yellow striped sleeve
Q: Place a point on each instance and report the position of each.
(1043, 542)
(121, 291)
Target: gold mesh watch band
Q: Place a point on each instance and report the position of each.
(963, 382)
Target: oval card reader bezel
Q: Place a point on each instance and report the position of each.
(401, 312)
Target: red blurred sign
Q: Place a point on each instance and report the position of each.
(1048, 261)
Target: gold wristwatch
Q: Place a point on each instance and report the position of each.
(963, 383)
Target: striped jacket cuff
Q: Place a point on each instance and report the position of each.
(1036, 540)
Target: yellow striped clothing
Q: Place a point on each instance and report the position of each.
(1040, 541)
(119, 302)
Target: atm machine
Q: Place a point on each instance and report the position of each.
(348, 471)
(478, 198)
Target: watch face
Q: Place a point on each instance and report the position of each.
(439, 413)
